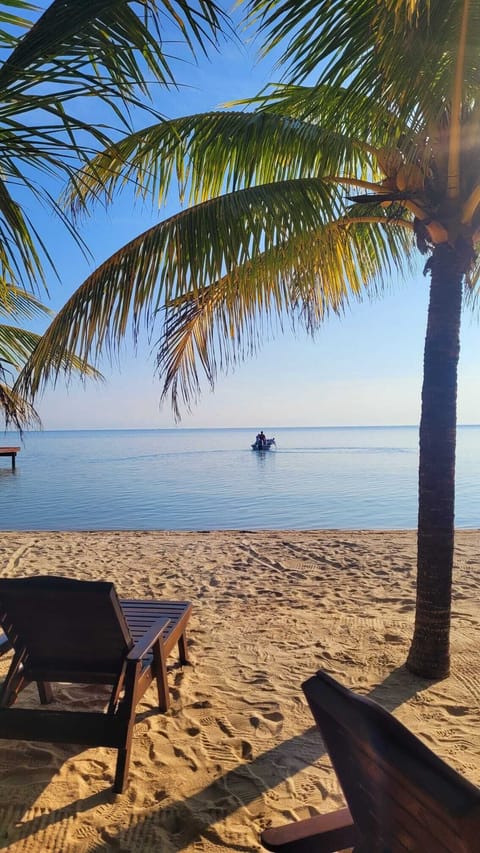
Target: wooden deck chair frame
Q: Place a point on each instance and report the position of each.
(64, 630)
(401, 796)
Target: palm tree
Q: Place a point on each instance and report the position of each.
(50, 62)
(303, 202)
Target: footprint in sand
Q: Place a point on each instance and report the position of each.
(86, 831)
(394, 638)
(140, 730)
(243, 749)
(273, 716)
(205, 846)
(218, 751)
(225, 727)
(86, 845)
(105, 811)
(243, 785)
(202, 703)
(458, 710)
(179, 753)
(258, 678)
(271, 796)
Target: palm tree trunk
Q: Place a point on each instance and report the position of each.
(429, 654)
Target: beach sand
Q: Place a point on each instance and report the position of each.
(237, 750)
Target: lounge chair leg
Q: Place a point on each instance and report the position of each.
(14, 681)
(45, 692)
(161, 676)
(127, 712)
(182, 648)
(11, 688)
(121, 770)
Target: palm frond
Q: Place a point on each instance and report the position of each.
(328, 106)
(16, 409)
(357, 44)
(182, 252)
(54, 60)
(16, 346)
(17, 351)
(201, 245)
(63, 362)
(298, 282)
(107, 40)
(19, 257)
(219, 152)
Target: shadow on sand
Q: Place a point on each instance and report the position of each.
(187, 821)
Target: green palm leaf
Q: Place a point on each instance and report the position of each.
(98, 41)
(16, 346)
(220, 152)
(100, 48)
(251, 240)
(357, 44)
(16, 304)
(16, 409)
(300, 280)
(53, 59)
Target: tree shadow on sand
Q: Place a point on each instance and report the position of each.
(25, 773)
(190, 820)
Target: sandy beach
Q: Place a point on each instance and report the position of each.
(237, 750)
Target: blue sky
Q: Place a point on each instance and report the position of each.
(362, 369)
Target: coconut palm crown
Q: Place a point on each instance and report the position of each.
(305, 200)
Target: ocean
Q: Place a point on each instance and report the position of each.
(194, 479)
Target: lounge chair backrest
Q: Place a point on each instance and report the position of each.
(402, 796)
(64, 626)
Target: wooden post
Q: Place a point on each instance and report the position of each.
(10, 451)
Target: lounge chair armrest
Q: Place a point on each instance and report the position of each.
(320, 834)
(149, 639)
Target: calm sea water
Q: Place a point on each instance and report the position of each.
(183, 479)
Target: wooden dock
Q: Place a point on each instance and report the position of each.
(10, 451)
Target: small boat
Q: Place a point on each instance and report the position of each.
(263, 444)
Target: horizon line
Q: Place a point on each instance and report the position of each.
(180, 428)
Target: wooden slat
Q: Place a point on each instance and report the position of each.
(140, 615)
(319, 834)
(90, 728)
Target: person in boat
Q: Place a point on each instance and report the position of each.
(262, 439)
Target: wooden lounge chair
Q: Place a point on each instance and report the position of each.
(73, 631)
(401, 796)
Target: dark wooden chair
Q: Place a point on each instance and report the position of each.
(401, 796)
(64, 630)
